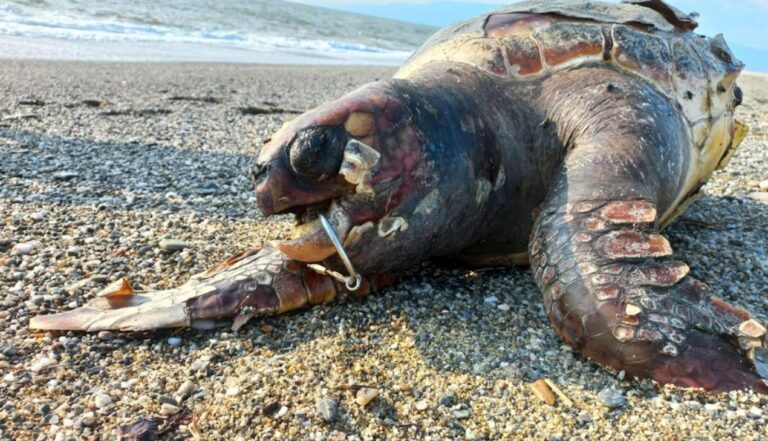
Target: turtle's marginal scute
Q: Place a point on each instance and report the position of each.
(678, 18)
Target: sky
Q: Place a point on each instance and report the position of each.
(743, 22)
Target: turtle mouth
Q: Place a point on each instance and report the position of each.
(310, 242)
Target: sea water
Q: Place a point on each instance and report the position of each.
(265, 31)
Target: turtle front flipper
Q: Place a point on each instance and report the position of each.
(252, 284)
(611, 287)
(613, 292)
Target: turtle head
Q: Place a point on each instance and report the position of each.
(353, 160)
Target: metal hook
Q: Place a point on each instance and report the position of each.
(354, 281)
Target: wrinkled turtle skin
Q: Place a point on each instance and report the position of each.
(563, 134)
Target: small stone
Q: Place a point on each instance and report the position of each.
(366, 395)
(88, 419)
(328, 408)
(712, 408)
(106, 335)
(611, 398)
(447, 400)
(65, 175)
(23, 249)
(584, 417)
(491, 299)
(167, 409)
(102, 401)
(422, 405)
(200, 365)
(402, 387)
(174, 341)
(233, 391)
(99, 279)
(185, 389)
(167, 399)
(763, 185)
(172, 245)
(280, 413)
(503, 307)
(462, 414)
(755, 412)
(760, 196)
(41, 363)
(470, 435)
(10, 351)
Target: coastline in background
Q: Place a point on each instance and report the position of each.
(264, 31)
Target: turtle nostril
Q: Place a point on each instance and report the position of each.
(738, 96)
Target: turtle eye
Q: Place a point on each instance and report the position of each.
(315, 153)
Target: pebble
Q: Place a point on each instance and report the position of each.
(712, 408)
(41, 363)
(366, 395)
(172, 245)
(760, 196)
(763, 185)
(280, 413)
(328, 408)
(102, 401)
(65, 175)
(23, 249)
(611, 398)
(168, 409)
(503, 307)
(422, 405)
(167, 399)
(88, 419)
(185, 389)
(106, 335)
(447, 400)
(755, 412)
(462, 414)
(174, 341)
(491, 299)
(402, 387)
(233, 391)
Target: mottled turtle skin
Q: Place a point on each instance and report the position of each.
(560, 134)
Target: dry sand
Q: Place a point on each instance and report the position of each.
(99, 162)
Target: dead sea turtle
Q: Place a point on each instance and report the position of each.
(561, 133)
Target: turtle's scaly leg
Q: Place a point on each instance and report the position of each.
(613, 292)
(611, 287)
(251, 284)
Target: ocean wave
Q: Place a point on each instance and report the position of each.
(89, 22)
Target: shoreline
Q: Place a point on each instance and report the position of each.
(52, 49)
(162, 150)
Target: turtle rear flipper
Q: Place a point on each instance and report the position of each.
(611, 287)
(251, 284)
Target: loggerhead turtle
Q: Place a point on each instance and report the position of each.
(563, 133)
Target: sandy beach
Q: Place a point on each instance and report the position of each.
(99, 162)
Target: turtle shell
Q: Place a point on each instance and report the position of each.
(646, 38)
